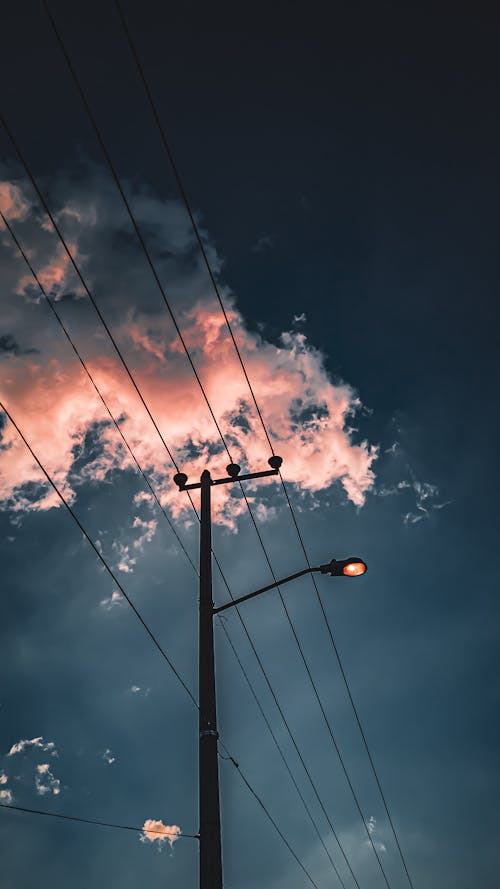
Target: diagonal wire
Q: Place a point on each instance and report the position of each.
(56, 314)
(216, 288)
(272, 820)
(190, 836)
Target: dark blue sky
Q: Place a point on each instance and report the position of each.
(343, 164)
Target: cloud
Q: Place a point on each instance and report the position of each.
(5, 793)
(262, 244)
(157, 831)
(125, 562)
(9, 344)
(13, 203)
(148, 531)
(143, 497)
(45, 782)
(371, 825)
(307, 415)
(37, 743)
(116, 599)
(108, 756)
(424, 494)
(136, 689)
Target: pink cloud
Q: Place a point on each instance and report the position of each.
(157, 831)
(307, 415)
(12, 202)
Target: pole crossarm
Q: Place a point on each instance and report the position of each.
(264, 589)
(227, 479)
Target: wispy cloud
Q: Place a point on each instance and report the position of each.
(424, 494)
(265, 242)
(147, 529)
(38, 743)
(45, 781)
(108, 756)
(372, 824)
(137, 690)
(125, 562)
(5, 792)
(113, 601)
(160, 833)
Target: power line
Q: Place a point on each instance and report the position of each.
(181, 338)
(273, 822)
(56, 314)
(190, 836)
(215, 286)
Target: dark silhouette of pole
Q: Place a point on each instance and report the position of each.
(210, 837)
(210, 832)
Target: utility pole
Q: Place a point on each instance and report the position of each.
(209, 811)
(209, 827)
(209, 803)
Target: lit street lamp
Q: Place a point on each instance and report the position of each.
(209, 808)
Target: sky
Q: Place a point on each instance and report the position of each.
(341, 165)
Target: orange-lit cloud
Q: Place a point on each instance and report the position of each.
(307, 415)
(157, 831)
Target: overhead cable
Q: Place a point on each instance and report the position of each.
(161, 833)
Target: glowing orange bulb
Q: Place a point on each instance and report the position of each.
(354, 569)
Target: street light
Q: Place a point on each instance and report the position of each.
(209, 811)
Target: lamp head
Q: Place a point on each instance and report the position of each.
(351, 567)
(180, 480)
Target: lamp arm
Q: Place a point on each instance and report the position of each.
(264, 589)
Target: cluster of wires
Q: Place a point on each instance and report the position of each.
(149, 484)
